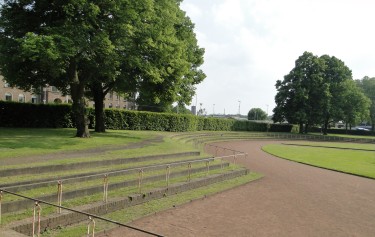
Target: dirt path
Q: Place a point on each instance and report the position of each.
(291, 200)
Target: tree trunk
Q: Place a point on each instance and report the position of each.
(99, 95)
(77, 88)
(306, 128)
(325, 129)
(301, 127)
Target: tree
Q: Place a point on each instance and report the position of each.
(103, 46)
(159, 61)
(174, 60)
(303, 93)
(318, 90)
(256, 114)
(58, 44)
(368, 87)
(336, 77)
(356, 105)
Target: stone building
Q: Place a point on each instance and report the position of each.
(51, 94)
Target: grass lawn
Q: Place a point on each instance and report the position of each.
(356, 162)
(15, 142)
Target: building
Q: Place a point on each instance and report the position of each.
(51, 94)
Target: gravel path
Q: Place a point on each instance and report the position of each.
(291, 200)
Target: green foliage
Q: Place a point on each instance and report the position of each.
(368, 86)
(318, 90)
(256, 114)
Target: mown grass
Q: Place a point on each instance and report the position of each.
(135, 212)
(345, 145)
(16, 142)
(361, 163)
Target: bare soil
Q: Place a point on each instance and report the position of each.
(291, 200)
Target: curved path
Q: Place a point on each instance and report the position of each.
(291, 200)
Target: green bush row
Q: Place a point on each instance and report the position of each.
(60, 116)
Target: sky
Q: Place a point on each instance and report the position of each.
(250, 44)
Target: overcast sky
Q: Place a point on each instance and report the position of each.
(252, 43)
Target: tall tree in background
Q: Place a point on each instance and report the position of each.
(318, 90)
(336, 75)
(367, 85)
(302, 94)
(355, 105)
(256, 114)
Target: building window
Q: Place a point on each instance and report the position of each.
(8, 97)
(111, 96)
(57, 101)
(21, 98)
(110, 105)
(34, 99)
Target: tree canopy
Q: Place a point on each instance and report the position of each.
(317, 91)
(367, 85)
(92, 47)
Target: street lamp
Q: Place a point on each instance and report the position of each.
(239, 108)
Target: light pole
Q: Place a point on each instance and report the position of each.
(239, 108)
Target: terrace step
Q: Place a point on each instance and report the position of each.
(68, 218)
(32, 184)
(14, 206)
(90, 164)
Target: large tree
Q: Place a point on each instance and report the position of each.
(172, 63)
(368, 86)
(336, 75)
(44, 42)
(302, 94)
(103, 46)
(318, 91)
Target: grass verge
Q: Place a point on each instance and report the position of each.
(360, 163)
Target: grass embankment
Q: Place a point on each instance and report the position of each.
(330, 156)
(41, 147)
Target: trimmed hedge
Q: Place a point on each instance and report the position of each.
(343, 131)
(13, 114)
(60, 116)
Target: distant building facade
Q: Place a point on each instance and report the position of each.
(51, 94)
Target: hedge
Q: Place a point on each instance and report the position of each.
(343, 131)
(14, 114)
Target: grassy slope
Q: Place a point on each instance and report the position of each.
(360, 163)
(16, 143)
